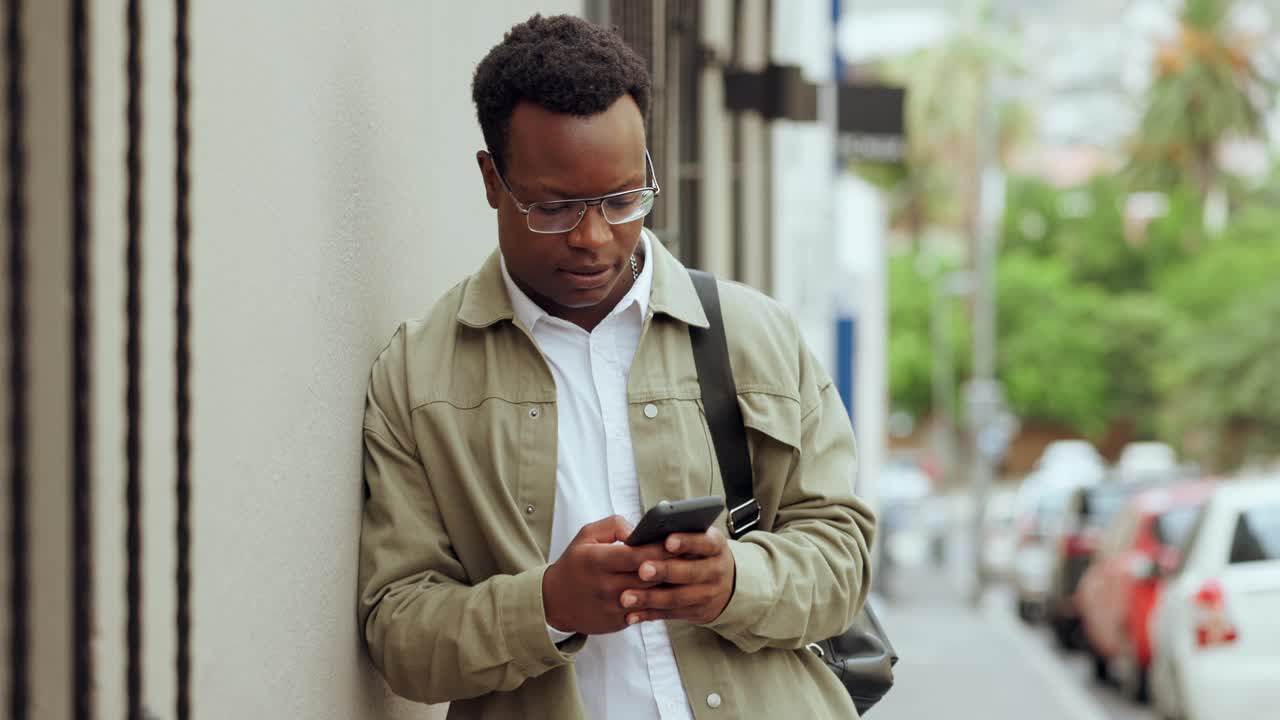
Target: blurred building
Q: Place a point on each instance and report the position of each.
(333, 193)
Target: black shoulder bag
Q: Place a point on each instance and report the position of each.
(862, 657)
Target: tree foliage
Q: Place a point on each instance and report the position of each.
(1105, 318)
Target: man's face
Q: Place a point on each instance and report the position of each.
(580, 274)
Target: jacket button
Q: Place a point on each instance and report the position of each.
(713, 701)
(533, 413)
(651, 411)
(528, 510)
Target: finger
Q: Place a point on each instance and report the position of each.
(667, 598)
(620, 558)
(611, 529)
(681, 572)
(690, 614)
(707, 544)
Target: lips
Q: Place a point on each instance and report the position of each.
(588, 277)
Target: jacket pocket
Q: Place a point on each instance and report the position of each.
(774, 441)
(776, 417)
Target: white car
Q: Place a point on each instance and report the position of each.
(1146, 461)
(1216, 627)
(1074, 461)
(1040, 506)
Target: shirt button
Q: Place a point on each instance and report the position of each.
(651, 411)
(528, 510)
(533, 413)
(713, 701)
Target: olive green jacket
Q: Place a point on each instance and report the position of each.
(460, 472)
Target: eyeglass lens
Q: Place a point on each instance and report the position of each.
(563, 217)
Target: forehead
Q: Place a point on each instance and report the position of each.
(576, 153)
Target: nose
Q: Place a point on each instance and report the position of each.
(593, 232)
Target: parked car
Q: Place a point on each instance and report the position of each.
(1075, 461)
(1216, 627)
(1088, 511)
(1040, 505)
(1119, 589)
(1146, 462)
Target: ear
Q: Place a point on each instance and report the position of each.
(492, 185)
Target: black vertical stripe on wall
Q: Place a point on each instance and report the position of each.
(182, 357)
(18, 469)
(81, 438)
(133, 365)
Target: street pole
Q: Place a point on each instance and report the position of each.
(984, 326)
(944, 377)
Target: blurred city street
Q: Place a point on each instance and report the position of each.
(981, 662)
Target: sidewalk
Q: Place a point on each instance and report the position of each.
(959, 663)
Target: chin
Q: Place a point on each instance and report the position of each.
(580, 300)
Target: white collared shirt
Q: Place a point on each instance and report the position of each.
(631, 674)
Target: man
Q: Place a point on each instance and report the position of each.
(514, 436)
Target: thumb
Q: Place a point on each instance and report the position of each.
(609, 530)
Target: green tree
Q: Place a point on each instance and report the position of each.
(1137, 329)
(1207, 87)
(1213, 281)
(1051, 350)
(1223, 382)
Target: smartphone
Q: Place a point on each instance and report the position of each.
(693, 515)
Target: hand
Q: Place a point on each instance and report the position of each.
(698, 581)
(581, 590)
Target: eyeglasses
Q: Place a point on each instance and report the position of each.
(561, 216)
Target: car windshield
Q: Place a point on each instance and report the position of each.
(1257, 535)
(1099, 504)
(1172, 528)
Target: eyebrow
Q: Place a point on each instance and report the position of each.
(625, 185)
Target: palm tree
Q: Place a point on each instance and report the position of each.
(1207, 88)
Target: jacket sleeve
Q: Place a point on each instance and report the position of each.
(435, 635)
(805, 579)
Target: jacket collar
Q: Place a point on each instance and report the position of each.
(485, 300)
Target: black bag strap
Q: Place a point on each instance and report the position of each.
(720, 401)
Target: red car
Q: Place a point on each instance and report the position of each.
(1119, 589)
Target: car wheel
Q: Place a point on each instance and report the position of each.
(1101, 672)
(1026, 611)
(1064, 631)
(1133, 679)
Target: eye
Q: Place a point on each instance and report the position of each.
(555, 209)
(623, 202)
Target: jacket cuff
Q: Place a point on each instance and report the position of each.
(558, 636)
(753, 592)
(525, 630)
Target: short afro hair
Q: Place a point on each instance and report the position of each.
(562, 63)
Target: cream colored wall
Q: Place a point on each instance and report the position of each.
(335, 193)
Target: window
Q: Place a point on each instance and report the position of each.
(1172, 528)
(1119, 536)
(1193, 536)
(1257, 536)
